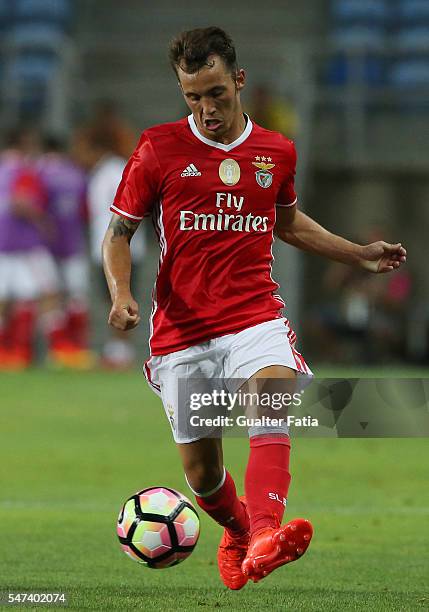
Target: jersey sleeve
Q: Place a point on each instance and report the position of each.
(287, 196)
(140, 183)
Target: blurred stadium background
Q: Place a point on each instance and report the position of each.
(348, 80)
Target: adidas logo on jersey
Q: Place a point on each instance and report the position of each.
(191, 170)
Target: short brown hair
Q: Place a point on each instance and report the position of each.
(191, 50)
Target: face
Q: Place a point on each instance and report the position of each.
(213, 97)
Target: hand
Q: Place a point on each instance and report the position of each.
(124, 314)
(380, 257)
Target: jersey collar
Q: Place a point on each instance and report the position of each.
(219, 145)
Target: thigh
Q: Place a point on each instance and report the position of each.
(75, 276)
(22, 284)
(5, 294)
(43, 269)
(181, 379)
(265, 367)
(267, 345)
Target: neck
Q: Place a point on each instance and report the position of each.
(237, 128)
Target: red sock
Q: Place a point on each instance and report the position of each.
(267, 480)
(3, 335)
(21, 329)
(225, 507)
(53, 323)
(78, 324)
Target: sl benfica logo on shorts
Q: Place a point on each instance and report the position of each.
(264, 178)
(229, 172)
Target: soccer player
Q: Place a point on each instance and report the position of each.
(66, 322)
(218, 187)
(96, 152)
(28, 276)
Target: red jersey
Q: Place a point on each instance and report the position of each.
(213, 208)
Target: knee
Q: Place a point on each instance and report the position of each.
(202, 478)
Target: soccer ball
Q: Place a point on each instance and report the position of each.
(158, 527)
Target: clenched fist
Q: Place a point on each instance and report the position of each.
(124, 314)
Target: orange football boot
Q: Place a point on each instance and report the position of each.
(230, 556)
(271, 547)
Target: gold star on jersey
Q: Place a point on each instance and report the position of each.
(263, 176)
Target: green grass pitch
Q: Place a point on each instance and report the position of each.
(75, 446)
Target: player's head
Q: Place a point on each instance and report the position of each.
(205, 63)
(24, 138)
(53, 143)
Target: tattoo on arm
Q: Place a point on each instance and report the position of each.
(122, 227)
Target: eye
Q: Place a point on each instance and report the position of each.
(193, 98)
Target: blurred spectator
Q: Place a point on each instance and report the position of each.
(67, 323)
(27, 270)
(97, 153)
(107, 118)
(272, 112)
(360, 317)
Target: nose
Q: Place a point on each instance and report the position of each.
(208, 107)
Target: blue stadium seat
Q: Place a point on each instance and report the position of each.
(340, 71)
(410, 72)
(5, 14)
(360, 11)
(410, 66)
(35, 35)
(32, 67)
(368, 37)
(414, 38)
(30, 74)
(57, 12)
(359, 30)
(412, 11)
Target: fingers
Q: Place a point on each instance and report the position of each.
(132, 322)
(133, 309)
(391, 264)
(397, 256)
(396, 250)
(121, 319)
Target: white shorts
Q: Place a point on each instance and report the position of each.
(228, 359)
(27, 275)
(74, 273)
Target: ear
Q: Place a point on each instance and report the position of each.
(240, 79)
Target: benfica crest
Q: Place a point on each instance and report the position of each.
(264, 177)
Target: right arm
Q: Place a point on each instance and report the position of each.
(137, 191)
(124, 313)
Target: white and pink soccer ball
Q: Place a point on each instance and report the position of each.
(158, 527)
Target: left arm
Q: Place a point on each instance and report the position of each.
(298, 229)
